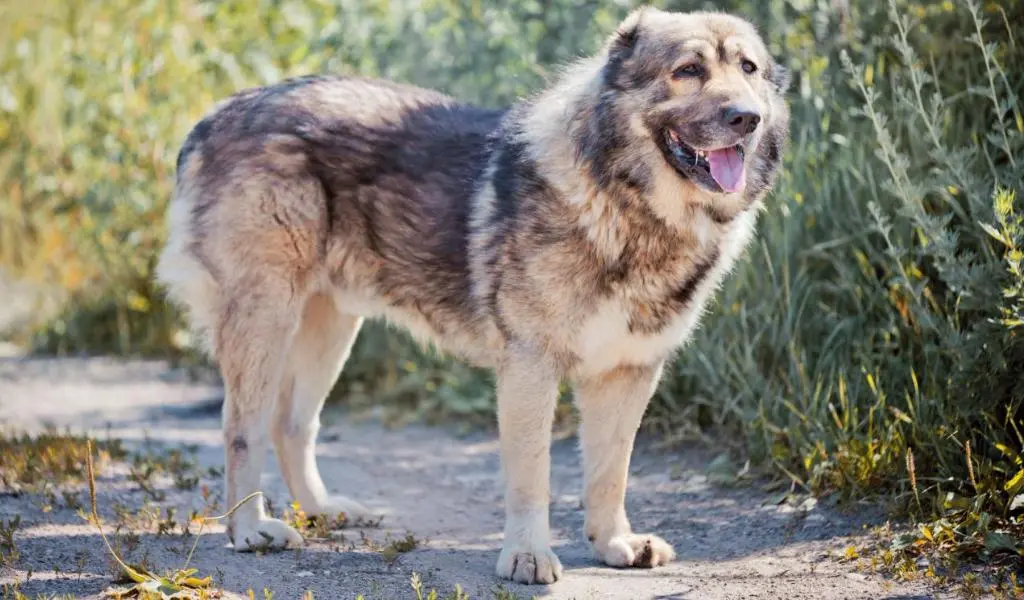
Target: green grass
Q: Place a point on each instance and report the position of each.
(876, 323)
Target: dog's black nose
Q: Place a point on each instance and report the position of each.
(741, 120)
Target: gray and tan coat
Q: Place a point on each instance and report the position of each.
(576, 236)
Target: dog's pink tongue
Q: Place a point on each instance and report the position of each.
(727, 169)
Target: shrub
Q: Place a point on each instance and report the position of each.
(876, 328)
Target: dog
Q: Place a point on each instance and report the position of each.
(576, 236)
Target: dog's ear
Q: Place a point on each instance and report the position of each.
(627, 34)
(779, 76)
(621, 46)
(624, 40)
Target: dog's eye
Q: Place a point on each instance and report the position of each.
(748, 66)
(690, 70)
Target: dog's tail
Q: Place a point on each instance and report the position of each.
(189, 282)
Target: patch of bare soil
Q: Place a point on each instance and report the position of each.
(442, 489)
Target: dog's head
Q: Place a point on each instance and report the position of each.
(702, 89)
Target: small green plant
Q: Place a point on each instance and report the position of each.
(395, 547)
(177, 463)
(142, 474)
(392, 548)
(9, 554)
(268, 594)
(315, 526)
(39, 463)
(503, 593)
(71, 500)
(12, 591)
(421, 594)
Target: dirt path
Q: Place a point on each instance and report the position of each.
(441, 488)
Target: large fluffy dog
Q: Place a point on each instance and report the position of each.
(576, 236)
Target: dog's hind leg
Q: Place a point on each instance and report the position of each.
(248, 233)
(611, 407)
(317, 356)
(252, 337)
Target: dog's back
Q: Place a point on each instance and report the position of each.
(371, 177)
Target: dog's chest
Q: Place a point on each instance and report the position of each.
(643, 318)
(606, 340)
(655, 313)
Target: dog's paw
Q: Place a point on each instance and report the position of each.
(265, 534)
(354, 512)
(529, 565)
(635, 550)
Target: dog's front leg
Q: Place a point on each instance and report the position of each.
(527, 392)
(611, 406)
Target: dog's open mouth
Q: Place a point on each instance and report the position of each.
(718, 170)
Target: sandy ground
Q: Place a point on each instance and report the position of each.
(444, 489)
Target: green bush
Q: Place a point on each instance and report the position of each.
(874, 340)
(876, 322)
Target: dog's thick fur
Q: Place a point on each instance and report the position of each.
(556, 240)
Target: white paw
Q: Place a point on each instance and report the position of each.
(529, 565)
(265, 534)
(354, 512)
(635, 550)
